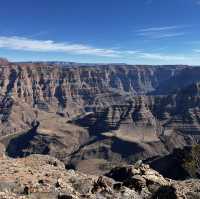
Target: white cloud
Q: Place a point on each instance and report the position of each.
(27, 44)
(158, 28)
(130, 52)
(196, 50)
(161, 32)
(160, 35)
(163, 57)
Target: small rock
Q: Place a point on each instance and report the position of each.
(103, 183)
(65, 197)
(60, 183)
(117, 186)
(165, 192)
(41, 182)
(121, 173)
(26, 190)
(136, 182)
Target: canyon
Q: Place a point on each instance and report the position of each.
(93, 117)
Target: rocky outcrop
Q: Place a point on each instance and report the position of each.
(45, 177)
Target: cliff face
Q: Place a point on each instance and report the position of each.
(70, 90)
(97, 115)
(40, 85)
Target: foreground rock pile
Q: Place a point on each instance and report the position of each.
(44, 177)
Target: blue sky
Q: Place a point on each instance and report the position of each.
(117, 31)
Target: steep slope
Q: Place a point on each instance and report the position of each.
(184, 78)
(180, 110)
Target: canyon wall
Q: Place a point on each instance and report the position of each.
(97, 114)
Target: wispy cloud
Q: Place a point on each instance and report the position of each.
(196, 50)
(161, 32)
(165, 58)
(28, 44)
(158, 28)
(198, 2)
(160, 35)
(162, 57)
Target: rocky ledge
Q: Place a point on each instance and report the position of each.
(42, 177)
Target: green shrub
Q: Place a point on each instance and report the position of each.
(192, 161)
